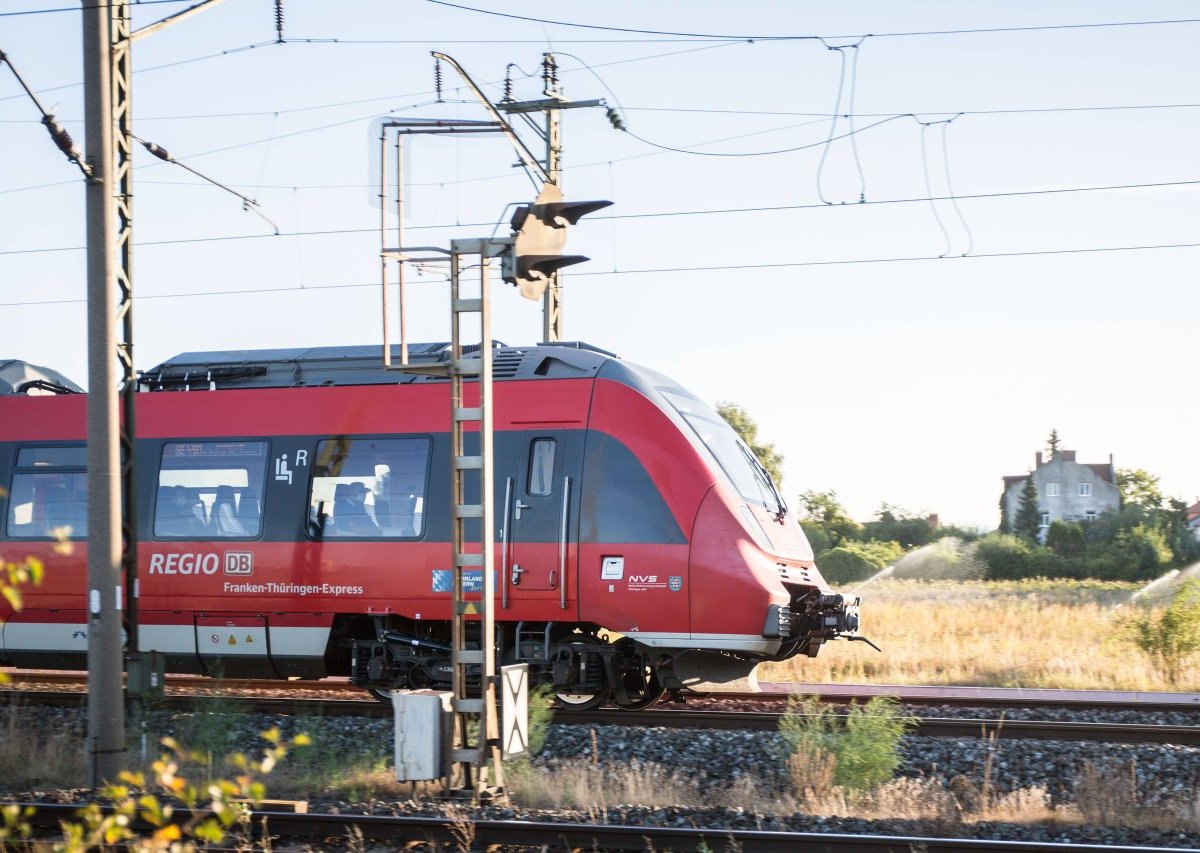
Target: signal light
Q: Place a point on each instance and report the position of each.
(539, 234)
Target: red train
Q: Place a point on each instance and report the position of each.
(293, 522)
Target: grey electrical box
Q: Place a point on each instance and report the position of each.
(423, 731)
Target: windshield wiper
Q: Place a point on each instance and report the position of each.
(781, 508)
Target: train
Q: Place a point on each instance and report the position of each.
(293, 521)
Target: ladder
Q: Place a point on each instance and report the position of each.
(474, 669)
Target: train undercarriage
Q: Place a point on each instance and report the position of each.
(586, 666)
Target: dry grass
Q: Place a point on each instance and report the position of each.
(33, 762)
(1106, 796)
(989, 633)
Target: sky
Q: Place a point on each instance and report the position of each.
(759, 250)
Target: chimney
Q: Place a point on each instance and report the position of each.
(1037, 459)
(1067, 455)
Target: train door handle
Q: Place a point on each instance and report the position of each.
(520, 506)
(517, 571)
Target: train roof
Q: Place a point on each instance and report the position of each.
(21, 377)
(360, 365)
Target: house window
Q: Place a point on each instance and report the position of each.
(1052, 490)
(1090, 515)
(1085, 490)
(1045, 519)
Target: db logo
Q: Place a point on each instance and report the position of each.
(239, 563)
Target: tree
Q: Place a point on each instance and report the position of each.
(1029, 515)
(747, 429)
(823, 510)
(1053, 445)
(896, 524)
(1005, 524)
(1139, 488)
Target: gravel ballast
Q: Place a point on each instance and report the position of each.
(715, 759)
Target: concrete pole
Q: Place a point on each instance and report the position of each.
(106, 708)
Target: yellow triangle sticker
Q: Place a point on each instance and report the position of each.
(468, 608)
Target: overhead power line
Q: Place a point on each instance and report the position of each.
(664, 270)
(24, 12)
(809, 37)
(664, 214)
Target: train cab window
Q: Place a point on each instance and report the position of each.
(369, 487)
(210, 490)
(47, 496)
(541, 466)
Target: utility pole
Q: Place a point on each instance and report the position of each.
(552, 105)
(112, 382)
(550, 170)
(106, 709)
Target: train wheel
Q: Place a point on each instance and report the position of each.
(640, 681)
(381, 694)
(583, 701)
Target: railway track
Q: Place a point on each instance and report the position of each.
(1004, 697)
(665, 718)
(329, 829)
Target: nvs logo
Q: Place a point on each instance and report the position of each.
(643, 578)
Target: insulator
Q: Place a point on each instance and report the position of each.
(61, 138)
(158, 151)
(437, 79)
(508, 96)
(614, 118)
(279, 21)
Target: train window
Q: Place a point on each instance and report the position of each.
(732, 454)
(368, 487)
(52, 457)
(48, 493)
(541, 466)
(210, 490)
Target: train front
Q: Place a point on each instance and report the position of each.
(756, 592)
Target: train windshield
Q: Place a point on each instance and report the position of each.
(737, 460)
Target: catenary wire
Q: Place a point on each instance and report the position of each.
(768, 37)
(25, 12)
(659, 270)
(619, 216)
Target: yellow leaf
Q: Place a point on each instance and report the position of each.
(168, 833)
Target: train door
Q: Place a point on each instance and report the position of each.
(535, 503)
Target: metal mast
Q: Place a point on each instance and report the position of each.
(552, 105)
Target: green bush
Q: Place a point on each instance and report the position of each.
(851, 562)
(1005, 555)
(1147, 548)
(866, 747)
(1170, 637)
(1065, 538)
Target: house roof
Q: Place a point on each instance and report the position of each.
(1103, 470)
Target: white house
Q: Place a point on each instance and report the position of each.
(1066, 489)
